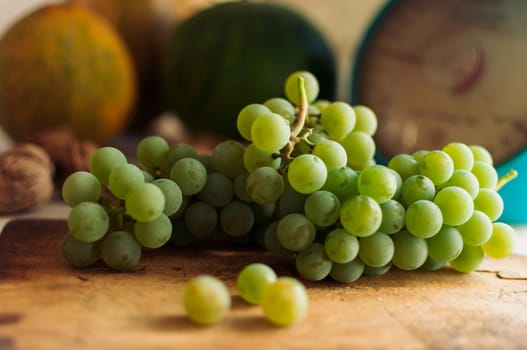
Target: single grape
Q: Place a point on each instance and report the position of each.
(338, 119)
(461, 155)
(285, 301)
(486, 174)
(423, 218)
(236, 219)
(438, 166)
(227, 158)
(247, 116)
(468, 260)
(295, 232)
(446, 245)
(321, 104)
(417, 187)
(502, 242)
(240, 187)
(360, 148)
(218, 190)
(145, 202)
(432, 265)
(152, 152)
(172, 193)
(332, 153)
(490, 202)
(200, 218)
(312, 263)
(88, 221)
(264, 185)
(307, 173)
(124, 177)
(393, 214)
(366, 120)
(419, 155)
(81, 186)
(377, 271)
(377, 182)
(376, 250)
(273, 245)
(153, 234)
(340, 246)
(405, 165)
(79, 253)
(190, 175)
(147, 177)
(410, 252)
(456, 205)
(348, 272)
(253, 280)
(482, 154)
(464, 179)
(206, 299)
(270, 132)
(283, 107)
(120, 250)
(342, 182)
(254, 158)
(322, 208)
(310, 85)
(180, 151)
(477, 230)
(103, 161)
(361, 215)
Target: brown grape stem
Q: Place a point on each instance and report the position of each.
(300, 121)
(505, 179)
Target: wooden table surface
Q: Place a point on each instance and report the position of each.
(45, 304)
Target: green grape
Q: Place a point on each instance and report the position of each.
(152, 152)
(342, 182)
(285, 301)
(88, 221)
(312, 110)
(172, 194)
(338, 119)
(227, 158)
(307, 173)
(461, 155)
(290, 201)
(456, 205)
(366, 120)
(437, 166)
(405, 165)
(181, 235)
(124, 177)
(361, 215)
(417, 187)
(153, 234)
(273, 245)
(253, 280)
(262, 212)
(377, 182)
(240, 187)
(206, 299)
(486, 174)
(322, 208)
(270, 132)
(120, 250)
(180, 151)
(206, 160)
(295, 232)
(480, 153)
(190, 175)
(377, 271)
(331, 153)
(247, 116)
(264, 185)
(398, 182)
(81, 186)
(489, 202)
(468, 260)
(348, 272)
(502, 242)
(410, 252)
(145, 202)
(254, 158)
(283, 107)
(360, 148)
(376, 250)
(321, 104)
(477, 230)
(340, 246)
(418, 155)
(310, 85)
(423, 218)
(79, 253)
(464, 179)
(236, 219)
(218, 190)
(103, 161)
(432, 265)
(312, 263)
(446, 245)
(393, 214)
(147, 177)
(200, 218)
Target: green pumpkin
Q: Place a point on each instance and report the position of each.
(233, 54)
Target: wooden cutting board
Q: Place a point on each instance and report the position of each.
(45, 304)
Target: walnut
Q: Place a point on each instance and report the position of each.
(26, 178)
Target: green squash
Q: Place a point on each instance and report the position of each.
(233, 54)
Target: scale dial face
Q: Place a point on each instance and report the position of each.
(441, 71)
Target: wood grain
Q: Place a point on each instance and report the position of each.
(45, 304)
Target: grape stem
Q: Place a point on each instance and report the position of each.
(300, 121)
(505, 179)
